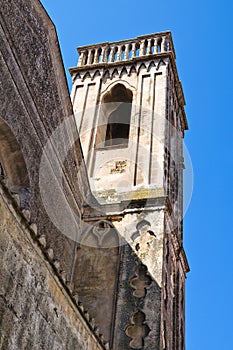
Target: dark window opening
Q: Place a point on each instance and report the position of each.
(159, 43)
(118, 104)
(118, 126)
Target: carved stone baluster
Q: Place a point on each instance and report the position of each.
(112, 53)
(164, 44)
(119, 53)
(96, 56)
(134, 50)
(81, 58)
(105, 54)
(142, 48)
(126, 52)
(156, 45)
(89, 59)
(149, 51)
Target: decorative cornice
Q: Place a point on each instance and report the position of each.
(116, 211)
(131, 62)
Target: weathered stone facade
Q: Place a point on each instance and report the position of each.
(131, 90)
(37, 309)
(109, 271)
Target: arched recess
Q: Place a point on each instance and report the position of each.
(115, 114)
(96, 274)
(12, 161)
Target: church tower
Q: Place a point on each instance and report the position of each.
(129, 109)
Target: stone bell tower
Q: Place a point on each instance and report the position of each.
(129, 108)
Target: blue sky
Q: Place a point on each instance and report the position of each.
(203, 42)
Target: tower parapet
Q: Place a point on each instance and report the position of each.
(126, 50)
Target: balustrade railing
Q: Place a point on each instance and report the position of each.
(125, 50)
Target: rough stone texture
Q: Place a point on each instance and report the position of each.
(128, 304)
(97, 282)
(34, 101)
(137, 179)
(36, 311)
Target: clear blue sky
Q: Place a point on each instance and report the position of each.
(202, 33)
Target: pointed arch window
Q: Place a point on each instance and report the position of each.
(117, 110)
(12, 162)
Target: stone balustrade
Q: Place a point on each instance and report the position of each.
(125, 50)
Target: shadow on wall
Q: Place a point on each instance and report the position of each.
(117, 289)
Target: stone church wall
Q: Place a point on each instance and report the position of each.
(34, 102)
(36, 310)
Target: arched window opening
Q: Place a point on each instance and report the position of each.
(12, 164)
(117, 105)
(85, 58)
(92, 56)
(115, 54)
(118, 126)
(137, 50)
(108, 55)
(130, 52)
(145, 50)
(123, 53)
(159, 45)
(152, 46)
(99, 55)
